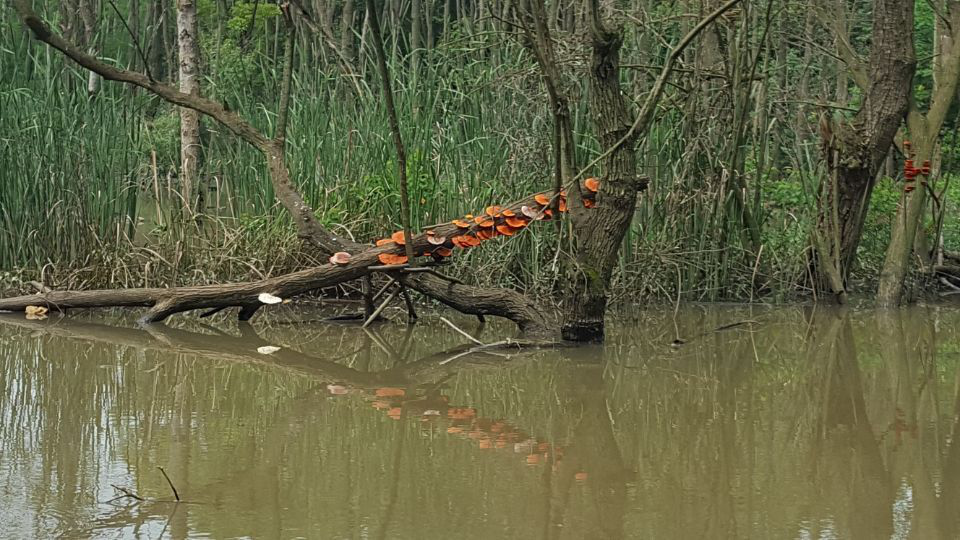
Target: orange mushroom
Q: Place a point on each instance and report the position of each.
(443, 252)
(541, 199)
(505, 230)
(508, 213)
(562, 205)
(589, 203)
(391, 258)
(398, 237)
(483, 221)
(486, 234)
(471, 241)
(592, 184)
(493, 211)
(516, 222)
(460, 223)
(383, 241)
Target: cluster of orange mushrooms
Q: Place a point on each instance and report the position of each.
(471, 230)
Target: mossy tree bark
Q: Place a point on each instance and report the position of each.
(598, 233)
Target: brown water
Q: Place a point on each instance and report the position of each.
(802, 424)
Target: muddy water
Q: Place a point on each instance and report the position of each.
(798, 424)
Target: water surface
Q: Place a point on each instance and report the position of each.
(796, 423)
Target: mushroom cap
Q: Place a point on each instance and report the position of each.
(493, 211)
(592, 184)
(383, 241)
(505, 230)
(589, 203)
(531, 213)
(436, 240)
(460, 223)
(340, 258)
(483, 221)
(471, 241)
(486, 234)
(516, 222)
(562, 204)
(508, 213)
(392, 258)
(398, 238)
(267, 298)
(541, 199)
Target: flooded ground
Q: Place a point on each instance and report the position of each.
(797, 423)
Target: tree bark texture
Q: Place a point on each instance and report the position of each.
(598, 233)
(89, 11)
(924, 132)
(189, 72)
(855, 150)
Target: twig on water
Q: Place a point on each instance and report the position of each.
(126, 493)
(172, 487)
(464, 334)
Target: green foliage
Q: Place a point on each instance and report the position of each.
(250, 16)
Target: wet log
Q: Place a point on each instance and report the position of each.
(164, 302)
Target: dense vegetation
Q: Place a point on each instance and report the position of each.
(89, 182)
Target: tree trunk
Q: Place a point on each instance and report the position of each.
(155, 25)
(189, 62)
(924, 132)
(88, 14)
(346, 30)
(598, 233)
(854, 151)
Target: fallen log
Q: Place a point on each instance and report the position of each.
(438, 242)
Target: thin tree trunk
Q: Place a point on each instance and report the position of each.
(88, 14)
(155, 52)
(189, 69)
(346, 30)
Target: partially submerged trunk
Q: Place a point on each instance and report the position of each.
(598, 233)
(854, 151)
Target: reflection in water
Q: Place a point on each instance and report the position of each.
(805, 424)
